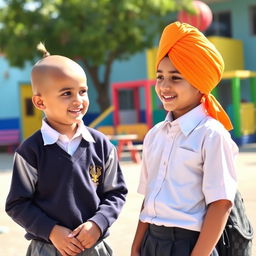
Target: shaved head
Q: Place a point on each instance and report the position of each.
(53, 67)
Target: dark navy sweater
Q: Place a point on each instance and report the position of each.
(51, 187)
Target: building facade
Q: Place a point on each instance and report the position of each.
(234, 19)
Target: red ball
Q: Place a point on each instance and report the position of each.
(201, 20)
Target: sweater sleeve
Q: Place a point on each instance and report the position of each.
(19, 203)
(114, 193)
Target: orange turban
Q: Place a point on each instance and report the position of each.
(199, 62)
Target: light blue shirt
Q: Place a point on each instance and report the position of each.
(187, 164)
(51, 136)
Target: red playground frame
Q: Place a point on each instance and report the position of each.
(134, 85)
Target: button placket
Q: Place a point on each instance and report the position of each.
(163, 166)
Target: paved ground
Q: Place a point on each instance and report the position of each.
(12, 242)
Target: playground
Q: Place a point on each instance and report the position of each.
(136, 107)
(13, 242)
(139, 120)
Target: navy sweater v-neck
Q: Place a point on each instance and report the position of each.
(51, 187)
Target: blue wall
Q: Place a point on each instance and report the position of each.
(9, 88)
(9, 124)
(10, 79)
(128, 70)
(132, 69)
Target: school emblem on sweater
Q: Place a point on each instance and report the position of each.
(95, 172)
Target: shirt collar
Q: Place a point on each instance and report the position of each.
(188, 121)
(51, 136)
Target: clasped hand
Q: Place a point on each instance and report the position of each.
(71, 243)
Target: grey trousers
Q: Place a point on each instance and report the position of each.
(169, 241)
(38, 248)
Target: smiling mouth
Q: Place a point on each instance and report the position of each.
(168, 98)
(77, 111)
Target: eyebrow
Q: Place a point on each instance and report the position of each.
(70, 88)
(171, 71)
(65, 89)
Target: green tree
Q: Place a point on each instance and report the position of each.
(95, 32)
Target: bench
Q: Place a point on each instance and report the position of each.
(137, 147)
(139, 128)
(10, 138)
(135, 151)
(124, 142)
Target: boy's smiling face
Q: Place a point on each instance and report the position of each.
(176, 94)
(62, 95)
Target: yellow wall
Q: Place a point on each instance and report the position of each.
(231, 50)
(30, 122)
(248, 122)
(139, 129)
(151, 62)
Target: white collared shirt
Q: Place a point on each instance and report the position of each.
(51, 136)
(187, 164)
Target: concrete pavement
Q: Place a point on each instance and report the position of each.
(12, 242)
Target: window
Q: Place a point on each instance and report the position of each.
(252, 16)
(221, 25)
(126, 99)
(29, 107)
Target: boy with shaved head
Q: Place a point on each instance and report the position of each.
(67, 186)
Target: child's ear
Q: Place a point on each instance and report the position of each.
(38, 102)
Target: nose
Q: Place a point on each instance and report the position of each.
(166, 84)
(78, 99)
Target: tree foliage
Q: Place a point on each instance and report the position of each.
(96, 32)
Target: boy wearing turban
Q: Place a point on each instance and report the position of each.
(188, 173)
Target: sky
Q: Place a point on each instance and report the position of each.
(1, 3)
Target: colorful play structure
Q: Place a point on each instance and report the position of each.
(241, 111)
(146, 116)
(242, 114)
(148, 110)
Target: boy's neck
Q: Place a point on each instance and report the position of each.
(176, 115)
(70, 131)
(65, 129)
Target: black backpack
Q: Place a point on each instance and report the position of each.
(236, 239)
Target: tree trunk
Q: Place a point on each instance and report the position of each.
(103, 98)
(103, 87)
